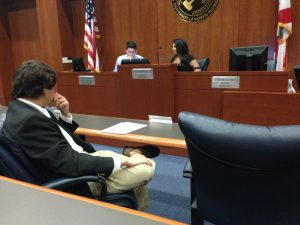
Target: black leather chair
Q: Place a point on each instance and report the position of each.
(15, 164)
(203, 63)
(243, 174)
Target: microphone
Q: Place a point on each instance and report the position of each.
(101, 64)
(219, 61)
(158, 55)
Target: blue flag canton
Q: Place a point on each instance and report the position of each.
(89, 11)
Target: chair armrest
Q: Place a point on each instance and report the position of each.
(69, 181)
(188, 170)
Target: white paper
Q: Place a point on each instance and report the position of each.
(124, 128)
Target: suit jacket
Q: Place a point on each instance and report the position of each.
(45, 145)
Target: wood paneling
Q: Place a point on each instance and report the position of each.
(65, 18)
(261, 108)
(77, 9)
(194, 92)
(48, 30)
(125, 20)
(259, 18)
(144, 27)
(293, 42)
(6, 62)
(115, 27)
(228, 37)
(101, 99)
(208, 38)
(206, 102)
(143, 97)
(24, 32)
(2, 99)
(48, 25)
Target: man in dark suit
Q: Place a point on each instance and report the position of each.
(50, 143)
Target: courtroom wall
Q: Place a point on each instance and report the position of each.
(50, 29)
(154, 24)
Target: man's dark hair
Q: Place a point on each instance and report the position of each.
(130, 44)
(31, 78)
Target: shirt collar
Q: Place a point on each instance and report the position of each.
(39, 108)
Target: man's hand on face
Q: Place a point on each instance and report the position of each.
(61, 103)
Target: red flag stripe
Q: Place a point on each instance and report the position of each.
(285, 15)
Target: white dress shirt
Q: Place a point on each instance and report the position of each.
(120, 58)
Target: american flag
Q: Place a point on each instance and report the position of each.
(91, 33)
(284, 30)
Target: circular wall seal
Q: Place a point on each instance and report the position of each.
(194, 10)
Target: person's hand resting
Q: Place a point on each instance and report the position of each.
(135, 159)
(62, 104)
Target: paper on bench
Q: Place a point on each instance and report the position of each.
(124, 128)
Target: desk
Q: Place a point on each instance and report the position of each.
(166, 135)
(169, 92)
(27, 204)
(194, 92)
(261, 108)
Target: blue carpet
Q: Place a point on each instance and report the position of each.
(169, 192)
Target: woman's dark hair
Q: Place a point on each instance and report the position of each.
(31, 78)
(182, 48)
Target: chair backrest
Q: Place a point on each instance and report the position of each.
(2, 118)
(15, 164)
(271, 64)
(203, 63)
(244, 174)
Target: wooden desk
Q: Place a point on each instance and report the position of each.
(170, 92)
(27, 204)
(194, 92)
(167, 136)
(163, 135)
(143, 97)
(261, 108)
(103, 98)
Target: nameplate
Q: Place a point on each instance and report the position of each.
(66, 60)
(225, 82)
(160, 119)
(86, 80)
(142, 73)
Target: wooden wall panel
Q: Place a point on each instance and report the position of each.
(293, 42)
(125, 20)
(258, 23)
(77, 9)
(228, 37)
(209, 38)
(2, 96)
(154, 24)
(143, 28)
(115, 30)
(5, 56)
(65, 18)
(24, 32)
(48, 25)
(48, 30)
